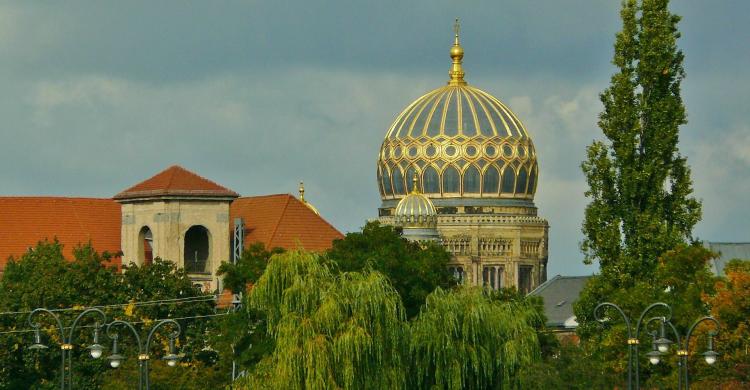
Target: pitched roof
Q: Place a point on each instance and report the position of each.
(24, 221)
(283, 221)
(727, 251)
(559, 294)
(176, 181)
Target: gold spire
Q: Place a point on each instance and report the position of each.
(414, 188)
(302, 198)
(457, 54)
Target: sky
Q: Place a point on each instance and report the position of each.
(258, 95)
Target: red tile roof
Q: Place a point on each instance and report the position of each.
(176, 181)
(24, 221)
(283, 221)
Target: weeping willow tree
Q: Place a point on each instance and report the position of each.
(349, 331)
(331, 331)
(463, 339)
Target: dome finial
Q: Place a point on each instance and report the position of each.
(414, 188)
(302, 192)
(457, 54)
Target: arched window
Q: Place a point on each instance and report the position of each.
(145, 246)
(398, 181)
(387, 187)
(197, 250)
(521, 182)
(471, 180)
(431, 181)
(532, 181)
(509, 180)
(491, 181)
(451, 180)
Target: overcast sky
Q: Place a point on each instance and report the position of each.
(257, 95)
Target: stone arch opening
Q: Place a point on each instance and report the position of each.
(197, 249)
(145, 246)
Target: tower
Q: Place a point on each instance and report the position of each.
(477, 165)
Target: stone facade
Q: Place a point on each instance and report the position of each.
(492, 248)
(168, 221)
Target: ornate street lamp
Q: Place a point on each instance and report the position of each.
(143, 349)
(660, 344)
(66, 361)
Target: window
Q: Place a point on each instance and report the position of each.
(524, 279)
(431, 180)
(451, 180)
(197, 249)
(471, 180)
(398, 182)
(521, 182)
(491, 181)
(492, 276)
(387, 182)
(509, 180)
(458, 273)
(145, 246)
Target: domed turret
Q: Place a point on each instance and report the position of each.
(416, 214)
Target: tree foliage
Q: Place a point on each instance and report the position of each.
(349, 330)
(42, 277)
(414, 270)
(639, 184)
(464, 339)
(731, 306)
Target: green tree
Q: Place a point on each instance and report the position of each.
(639, 184)
(640, 191)
(348, 330)
(331, 331)
(463, 339)
(42, 277)
(248, 268)
(414, 270)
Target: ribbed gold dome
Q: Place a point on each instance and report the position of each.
(415, 210)
(461, 142)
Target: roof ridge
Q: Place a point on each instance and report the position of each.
(278, 222)
(317, 215)
(50, 197)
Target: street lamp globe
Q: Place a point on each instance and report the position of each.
(710, 357)
(96, 350)
(654, 357)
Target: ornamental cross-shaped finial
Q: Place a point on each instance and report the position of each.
(456, 27)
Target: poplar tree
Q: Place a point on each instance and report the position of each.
(639, 183)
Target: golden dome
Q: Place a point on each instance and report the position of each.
(461, 142)
(415, 210)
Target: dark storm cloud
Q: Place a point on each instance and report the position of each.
(258, 95)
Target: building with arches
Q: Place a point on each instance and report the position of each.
(176, 215)
(476, 163)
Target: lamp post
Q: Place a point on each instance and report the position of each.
(660, 344)
(115, 359)
(710, 355)
(66, 361)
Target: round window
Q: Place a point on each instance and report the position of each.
(397, 152)
(490, 151)
(450, 150)
(431, 151)
(521, 151)
(507, 150)
(471, 151)
(413, 151)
